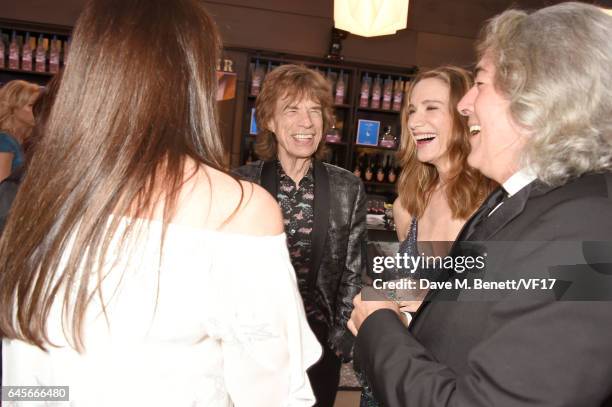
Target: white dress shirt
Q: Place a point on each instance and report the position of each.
(515, 183)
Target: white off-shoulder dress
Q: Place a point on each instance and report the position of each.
(219, 323)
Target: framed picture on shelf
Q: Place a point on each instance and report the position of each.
(367, 132)
(253, 125)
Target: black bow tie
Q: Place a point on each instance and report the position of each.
(485, 209)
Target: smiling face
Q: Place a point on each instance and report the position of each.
(298, 127)
(430, 120)
(496, 140)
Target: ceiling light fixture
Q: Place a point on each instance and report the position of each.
(371, 18)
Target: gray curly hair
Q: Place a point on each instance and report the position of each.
(555, 66)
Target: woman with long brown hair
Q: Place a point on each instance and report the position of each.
(438, 191)
(129, 252)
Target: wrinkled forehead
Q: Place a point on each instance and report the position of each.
(296, 96)
(486, 64)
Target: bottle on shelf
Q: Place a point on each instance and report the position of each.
(376, 93)
(333, 134)
(340, 89)
(387, 94)
(54, 55)
(2, 52)
(66, 51)
(398, 94)
(256, 78)
(387, 168)
(380, 171)
(393, 172)
(358, 170)
(13, 52)
(269, 69)
(330, 76)
(26, 54)
(41, 55)
(388, 140)
(370, 170)
(365, 91)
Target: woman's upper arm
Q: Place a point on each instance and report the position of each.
(259, 214)
(6, 162)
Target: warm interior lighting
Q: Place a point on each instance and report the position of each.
(608, 10)
(370, 18)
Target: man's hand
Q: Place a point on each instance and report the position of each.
(410, 306)
(364, 309)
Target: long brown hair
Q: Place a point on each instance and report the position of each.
(136, 100)
(467, 187)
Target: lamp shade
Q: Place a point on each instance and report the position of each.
(370, 18)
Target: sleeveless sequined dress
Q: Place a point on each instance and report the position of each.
(408, 246)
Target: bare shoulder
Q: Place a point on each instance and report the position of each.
(259, 212)
(402, 219)
(213, 199)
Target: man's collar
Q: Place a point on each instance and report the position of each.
(518, 181)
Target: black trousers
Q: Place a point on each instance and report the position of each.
(325, 374)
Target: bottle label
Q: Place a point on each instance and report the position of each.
(26, 60)
(41, 61)
(375, 104)
(54, 63)
(339, 94)
(13, 57)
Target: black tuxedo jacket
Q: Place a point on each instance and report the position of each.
(339, 240)
(529, 352)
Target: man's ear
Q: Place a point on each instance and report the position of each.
(270, 127)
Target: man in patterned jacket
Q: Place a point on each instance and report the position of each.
(324, 209)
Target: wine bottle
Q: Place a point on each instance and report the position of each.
(2, 51)
(256, 79)
(387, 168)
(393, 172)
(26, 54)
(41, 55)
(14, 52)
(340, 89)
(365, 91)
(329, 75)
(54, 55)
(358, 167)
(380, 171)
(370, 170)
(66, 51)
(398, 94)
(376, 93)
(387, 93)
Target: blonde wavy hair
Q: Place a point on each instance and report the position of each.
(291, 82)
(467, 187)
(13, 96)
(555, 66)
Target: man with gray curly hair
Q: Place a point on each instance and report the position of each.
(540, 115)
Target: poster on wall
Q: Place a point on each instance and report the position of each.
(367, 132)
